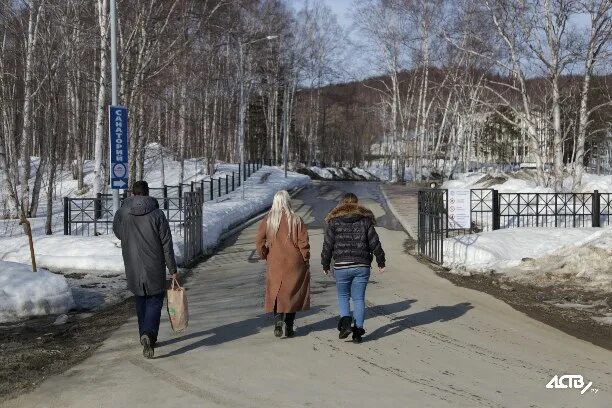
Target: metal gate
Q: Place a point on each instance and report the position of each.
(433, 224)
(192, 230)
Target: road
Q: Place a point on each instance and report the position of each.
(428, 342)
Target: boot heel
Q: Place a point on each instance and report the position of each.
(344, 326)
(278, 329)
(358, 333)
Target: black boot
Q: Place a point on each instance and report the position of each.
(148, 349)
(344, 327)
(289, 319)
(278, 325)
(278, 328)
(358, 332)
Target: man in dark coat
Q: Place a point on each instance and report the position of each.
(146, 244)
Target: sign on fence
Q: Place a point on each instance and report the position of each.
(459, 209)
(118, 141)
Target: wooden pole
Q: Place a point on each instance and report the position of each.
(28, 231)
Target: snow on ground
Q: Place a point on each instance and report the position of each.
(364, 173)
(65, 253)
(66, 186)
(523, 181)
(381, 171)
(93, 265)
(324, 173)
(340, 173)
(231, 210)
(519, 182)
(581, 256)
(24, 293)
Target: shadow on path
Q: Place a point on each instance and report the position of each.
(435, 314)
(227, 333)
(332, 322)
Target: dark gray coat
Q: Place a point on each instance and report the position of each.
(146, 244)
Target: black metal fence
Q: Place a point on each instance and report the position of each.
(192, 230)
(182, 205)
(432, 224)
(491, 210)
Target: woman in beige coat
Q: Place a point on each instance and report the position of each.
(282, 240)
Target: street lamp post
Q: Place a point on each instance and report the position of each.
(241, 117)
(242, 108)
(115, 102)
(285, 129)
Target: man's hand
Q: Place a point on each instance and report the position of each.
(174, 276)
(381, 269)
(326, 272)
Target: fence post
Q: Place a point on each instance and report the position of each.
(212, 189)
(219, 186)
(180, 194)
(596, 210)
(98, 207)
(556, 209)
(202, 188)
(233, 186)
(226, 184)
(165, 197)
(66, 216)
(496, 210)
(445, 207)
(192, 190)
(239, 175)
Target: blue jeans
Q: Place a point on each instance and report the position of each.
(351, 283)
(148, 310)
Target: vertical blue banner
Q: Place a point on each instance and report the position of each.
(118, 142)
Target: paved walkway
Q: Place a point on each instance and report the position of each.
(403, 202)
(428, 343)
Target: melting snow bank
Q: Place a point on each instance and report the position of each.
(232, 210)
(523, 181)
(338, 173)
(67, 252)
(24, 293)
(539, 256)
(93, 266)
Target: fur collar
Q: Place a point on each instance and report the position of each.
(344, 210)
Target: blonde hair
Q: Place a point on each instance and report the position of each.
(281, 205)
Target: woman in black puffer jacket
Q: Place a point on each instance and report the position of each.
(352, 242)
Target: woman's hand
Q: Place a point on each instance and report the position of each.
(326, 273)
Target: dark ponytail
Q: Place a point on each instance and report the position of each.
(349, 198)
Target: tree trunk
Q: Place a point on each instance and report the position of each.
(99, 181)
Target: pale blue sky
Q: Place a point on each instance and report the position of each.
(340, 7)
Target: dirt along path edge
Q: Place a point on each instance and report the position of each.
(535, 302)
(35, 349)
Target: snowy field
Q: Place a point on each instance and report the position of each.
(90, 268)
